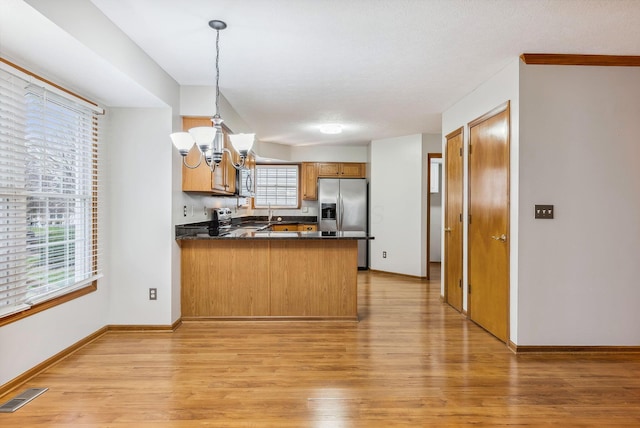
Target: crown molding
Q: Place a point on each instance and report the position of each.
(571, 59)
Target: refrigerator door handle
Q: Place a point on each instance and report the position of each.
(341, 212)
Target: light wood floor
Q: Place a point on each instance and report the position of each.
(410, 361)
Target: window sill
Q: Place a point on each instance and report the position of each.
(49, 304)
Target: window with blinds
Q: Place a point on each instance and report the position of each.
(276, 186)
(48, 193)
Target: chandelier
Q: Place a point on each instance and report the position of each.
(210, 139)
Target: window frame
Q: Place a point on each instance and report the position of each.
(92, 285)
(298, 186)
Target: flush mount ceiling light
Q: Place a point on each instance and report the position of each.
(210, 140)
(331, 128)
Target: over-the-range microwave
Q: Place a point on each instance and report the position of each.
(245, 183)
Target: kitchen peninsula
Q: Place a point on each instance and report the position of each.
(249, 273)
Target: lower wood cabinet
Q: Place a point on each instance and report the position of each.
(307, 227)
(294, 227)
(284, 227)
(278, 278)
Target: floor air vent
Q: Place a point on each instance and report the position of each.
(18, 401)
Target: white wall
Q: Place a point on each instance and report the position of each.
(83, 21)
(502, 87)
(312, 153)
(200, 101)
(335, 153)
(578, 273)
(269, 150)
(28, 342)
(396, 205)
(139, 203)
(138, 187)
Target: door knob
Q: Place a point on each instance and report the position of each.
(501, 238)
(447, 229)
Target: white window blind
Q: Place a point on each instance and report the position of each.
(48, 193)
(276, 186)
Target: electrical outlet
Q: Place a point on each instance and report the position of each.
(184, 211)
(384, 254)
(543, 211)
(153, 294)
(205, 211)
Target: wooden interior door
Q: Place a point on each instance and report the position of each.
(453, 220)
(489, 222)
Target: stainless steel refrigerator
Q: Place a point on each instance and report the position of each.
(342, 204)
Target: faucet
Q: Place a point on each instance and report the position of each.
(270, 212)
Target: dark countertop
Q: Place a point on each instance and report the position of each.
(246, 234)
(254, 228)
(264, 220)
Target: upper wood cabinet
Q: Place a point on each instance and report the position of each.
(328, 169)
(196, 179)
(311, 171)
(224, 177)
(200, 179)
(342, 170)
(309, 181)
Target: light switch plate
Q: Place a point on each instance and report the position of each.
(544, 211)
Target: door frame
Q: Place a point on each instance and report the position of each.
(506, 106)
(429, 157)
(459, 131)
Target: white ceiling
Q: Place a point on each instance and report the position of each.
(382, 68)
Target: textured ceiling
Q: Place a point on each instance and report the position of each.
(382, 68)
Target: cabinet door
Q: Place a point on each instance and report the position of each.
(248, 182)
(354, 170)
(197, 179)
(349, 169)
(230, 171)
(218, 176)
(223, 179)
(309, 181)
(328, 169)
(284, 227)
(307, 228)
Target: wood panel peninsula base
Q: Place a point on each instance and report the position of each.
(269, 279)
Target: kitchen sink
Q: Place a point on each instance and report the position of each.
(254, 226)
(206, 235)
(277, 234)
